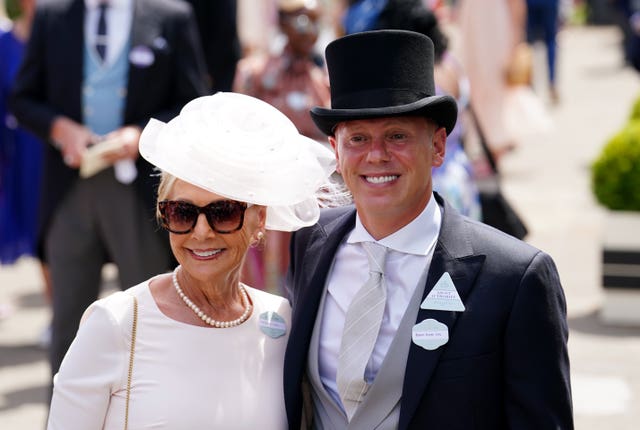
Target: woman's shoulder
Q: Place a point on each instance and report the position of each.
(118, 306)
(265, 297)
(264, 301)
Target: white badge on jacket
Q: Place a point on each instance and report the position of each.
(443, 296)
(141, 56)
(430, 334)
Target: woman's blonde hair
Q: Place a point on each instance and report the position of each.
(165, 186)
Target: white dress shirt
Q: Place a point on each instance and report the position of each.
(119, 16)
(410, 252)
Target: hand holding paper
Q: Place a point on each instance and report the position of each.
(121, 144)
(71, 139)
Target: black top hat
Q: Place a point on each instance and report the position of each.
(382, 73)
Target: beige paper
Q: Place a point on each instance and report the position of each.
(93, 158)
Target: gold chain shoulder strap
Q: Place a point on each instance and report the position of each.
(131, 355)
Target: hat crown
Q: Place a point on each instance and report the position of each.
(383, 73)
(380, 69)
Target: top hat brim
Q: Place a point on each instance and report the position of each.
(442, 109)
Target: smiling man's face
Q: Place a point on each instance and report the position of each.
(386, 163)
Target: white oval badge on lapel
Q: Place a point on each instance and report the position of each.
(141, 56)
(272, 324)
(430, 334)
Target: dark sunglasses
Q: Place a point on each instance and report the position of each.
(223, 216)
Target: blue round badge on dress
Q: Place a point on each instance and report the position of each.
(272, 324)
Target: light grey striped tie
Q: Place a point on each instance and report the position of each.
(361, 327)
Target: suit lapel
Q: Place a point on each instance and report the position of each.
(332, 409)
(309, 298)
(453, 255)
(71, 47)
(321, 253)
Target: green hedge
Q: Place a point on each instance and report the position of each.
(615, 174)
(635, 110)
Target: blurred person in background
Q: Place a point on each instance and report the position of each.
(94, 73)
(542, 24)
(218, 29)
(628, 17)
(293, 79)
(455, 179)
(490, 32)
(366, 15)
(20, 158)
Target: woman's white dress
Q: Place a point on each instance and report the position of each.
(184, 376)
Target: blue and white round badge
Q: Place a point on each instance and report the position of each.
(272, 324)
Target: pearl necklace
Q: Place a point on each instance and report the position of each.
(206, 318)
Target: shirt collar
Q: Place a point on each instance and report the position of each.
(417, 237)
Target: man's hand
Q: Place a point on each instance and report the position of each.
(71, 138)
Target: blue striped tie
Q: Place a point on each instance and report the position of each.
(101, 34)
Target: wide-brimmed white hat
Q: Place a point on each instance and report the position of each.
(244, 149)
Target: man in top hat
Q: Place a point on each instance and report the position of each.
(405, 313)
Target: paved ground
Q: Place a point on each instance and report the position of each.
(548, 181)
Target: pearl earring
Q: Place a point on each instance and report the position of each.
(258, 241)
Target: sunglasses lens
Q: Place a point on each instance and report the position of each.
(178, 217)
(226, 216)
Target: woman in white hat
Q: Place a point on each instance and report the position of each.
(197, 348)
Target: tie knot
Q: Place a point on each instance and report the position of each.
(376, 254)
